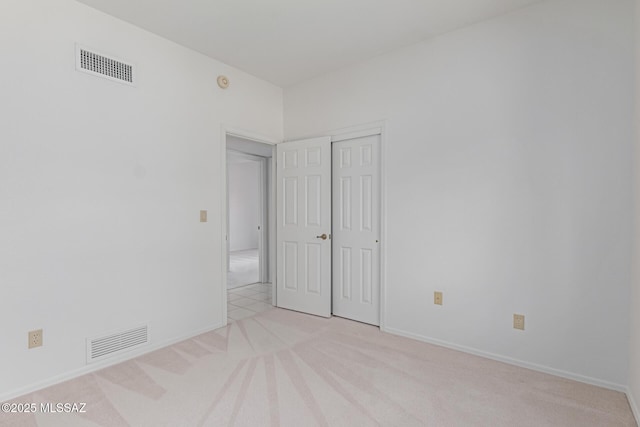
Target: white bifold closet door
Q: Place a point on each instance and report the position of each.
(356, 229)
(304, 226)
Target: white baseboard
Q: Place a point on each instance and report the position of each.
(103, 364)
(634, 405)
(510, 361)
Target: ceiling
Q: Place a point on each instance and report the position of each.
(289, 41)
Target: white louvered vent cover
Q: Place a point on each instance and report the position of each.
(102, 347)
(90, 62)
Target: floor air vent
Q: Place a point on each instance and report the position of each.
(103, 66)
(106, 346)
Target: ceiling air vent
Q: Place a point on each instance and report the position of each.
(108, 345)
(94, 63)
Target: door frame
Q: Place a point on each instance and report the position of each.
(231, 131)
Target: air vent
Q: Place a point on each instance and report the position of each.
(94, 63)
(106, 346)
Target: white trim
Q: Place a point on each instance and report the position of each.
(224, 222)
(356, 134)
(271, 170)
(104, 364)
(248, 135)
(383, 225)
(509, 360)
(337, 133)
(263, 237)
(247, 156)
(633, 404)
(227, 241)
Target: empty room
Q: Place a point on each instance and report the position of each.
(333, 213)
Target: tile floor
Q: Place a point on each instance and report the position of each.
(248, 300)
(243, 268)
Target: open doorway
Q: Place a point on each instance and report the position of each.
(249, 227)
(245, 211)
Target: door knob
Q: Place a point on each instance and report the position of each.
(323, 237)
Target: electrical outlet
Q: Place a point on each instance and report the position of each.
(35, 338)
(203, 216)
(437, 298)
(518, 321)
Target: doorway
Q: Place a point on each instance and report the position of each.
(249, 227)
(245, 210)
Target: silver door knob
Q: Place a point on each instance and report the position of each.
(323, 237)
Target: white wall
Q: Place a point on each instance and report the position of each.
(634, 356)
(101, 185)
(244, 205)
(508, 165)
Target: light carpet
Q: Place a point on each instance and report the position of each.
(281, 368)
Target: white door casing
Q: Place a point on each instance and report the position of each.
(356, 222)
(303, 217)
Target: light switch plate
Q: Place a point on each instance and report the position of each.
(203, 216)
(437, 298)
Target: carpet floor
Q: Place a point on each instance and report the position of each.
(281, 368)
